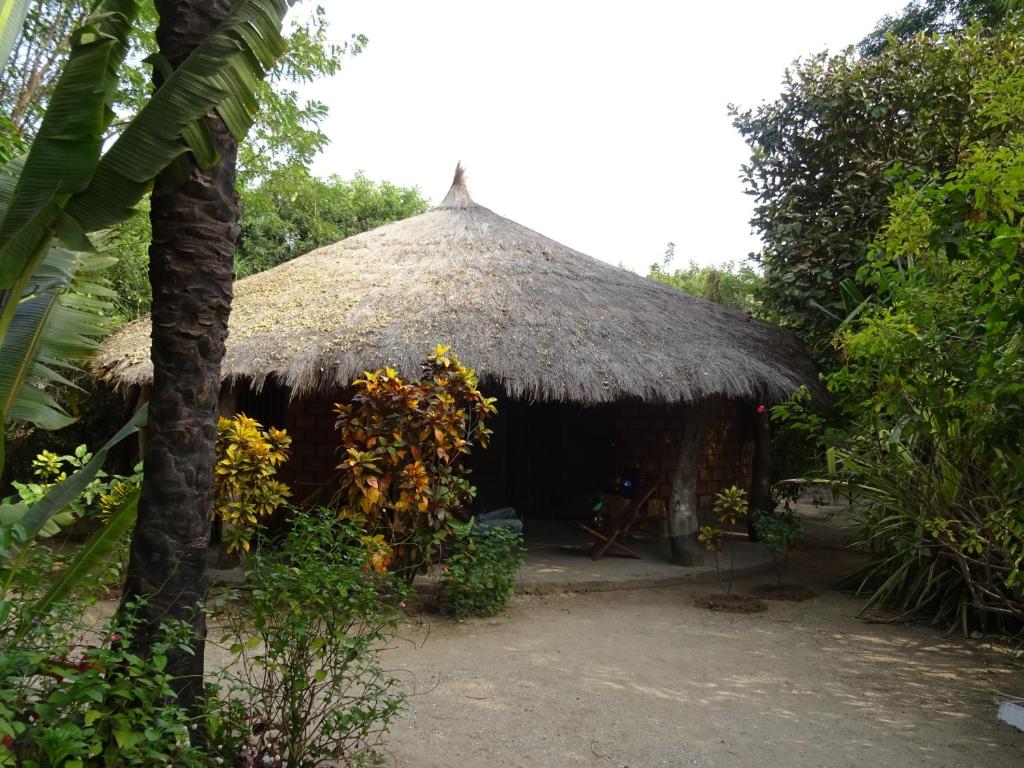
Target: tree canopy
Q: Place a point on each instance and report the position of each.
(287, 129)
(827, 155)
(732, 284)
(932, 17)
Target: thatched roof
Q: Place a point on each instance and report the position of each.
(541, 319)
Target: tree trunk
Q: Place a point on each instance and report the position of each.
(195, 226)
(761, 499)
(682, 513)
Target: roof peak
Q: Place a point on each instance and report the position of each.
(458, 195)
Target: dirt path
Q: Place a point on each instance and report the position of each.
(645, 678)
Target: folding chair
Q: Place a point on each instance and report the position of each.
(621, 523)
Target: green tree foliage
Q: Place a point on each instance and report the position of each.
(285, 131)
(284, 138)
(824, 154)
(934, 379)
(286, 214)
(734, 285)
(933, 17)
(291, 212)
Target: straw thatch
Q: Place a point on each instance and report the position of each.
(541, 319)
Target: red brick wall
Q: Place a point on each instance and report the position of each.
(647, 440)
(729, 458)
(310, 422)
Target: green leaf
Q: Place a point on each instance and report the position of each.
(64, 153)
(12, 18)
(126, 739)
(222, 74)
(58, 325)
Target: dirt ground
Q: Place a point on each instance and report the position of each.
(645, 678)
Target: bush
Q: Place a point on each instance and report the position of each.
(68, 703)
(245, 488)
(480, 573)
(778, 533)
(307, 686)
(103, 494)
(941, 514)
(404, 442)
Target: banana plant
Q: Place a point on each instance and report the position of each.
(73, 183)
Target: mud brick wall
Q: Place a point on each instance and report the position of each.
(648, 441)
(729, 458)
(310, 422)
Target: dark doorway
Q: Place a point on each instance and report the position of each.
(550, 461)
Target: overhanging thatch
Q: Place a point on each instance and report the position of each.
(541, 319)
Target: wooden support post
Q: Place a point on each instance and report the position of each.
(682, 512)
(761, 499)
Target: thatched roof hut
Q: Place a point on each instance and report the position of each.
(600, 369)
(543, 320)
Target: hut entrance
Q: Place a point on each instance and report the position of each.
(550, 461)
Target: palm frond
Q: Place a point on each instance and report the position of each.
(12, 19)
(222, 74)
(64, 153)
(56, 325)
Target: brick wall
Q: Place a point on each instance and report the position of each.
(729, 458)
(310, 422)
(647, 440)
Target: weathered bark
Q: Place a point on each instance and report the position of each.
(761, 499)
(195, 226)
(682, 511)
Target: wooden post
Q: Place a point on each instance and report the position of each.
(682, 512)
(761, 499)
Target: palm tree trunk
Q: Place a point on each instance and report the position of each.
(195, 226)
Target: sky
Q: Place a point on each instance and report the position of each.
(602, 125)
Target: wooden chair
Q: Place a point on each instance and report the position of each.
(622, 521)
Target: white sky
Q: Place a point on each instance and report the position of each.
(602, 125)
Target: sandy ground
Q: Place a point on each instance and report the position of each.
(645, 678)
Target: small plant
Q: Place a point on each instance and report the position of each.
(307, 687)
(103, 494)
(711, 539)
(730, 507)
(248, 457)
(479, 575)
(778, 533)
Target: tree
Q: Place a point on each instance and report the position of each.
(730, 284)
(933, 383)
(285, 131)
(827, 155)
(194, 214)
(291, 212)
(74, 181)
(932, 17)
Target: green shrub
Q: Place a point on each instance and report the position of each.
(480, 573)
(307, 686)
(778, 533)
(67, 702)
(101, 495)
(942, 515)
